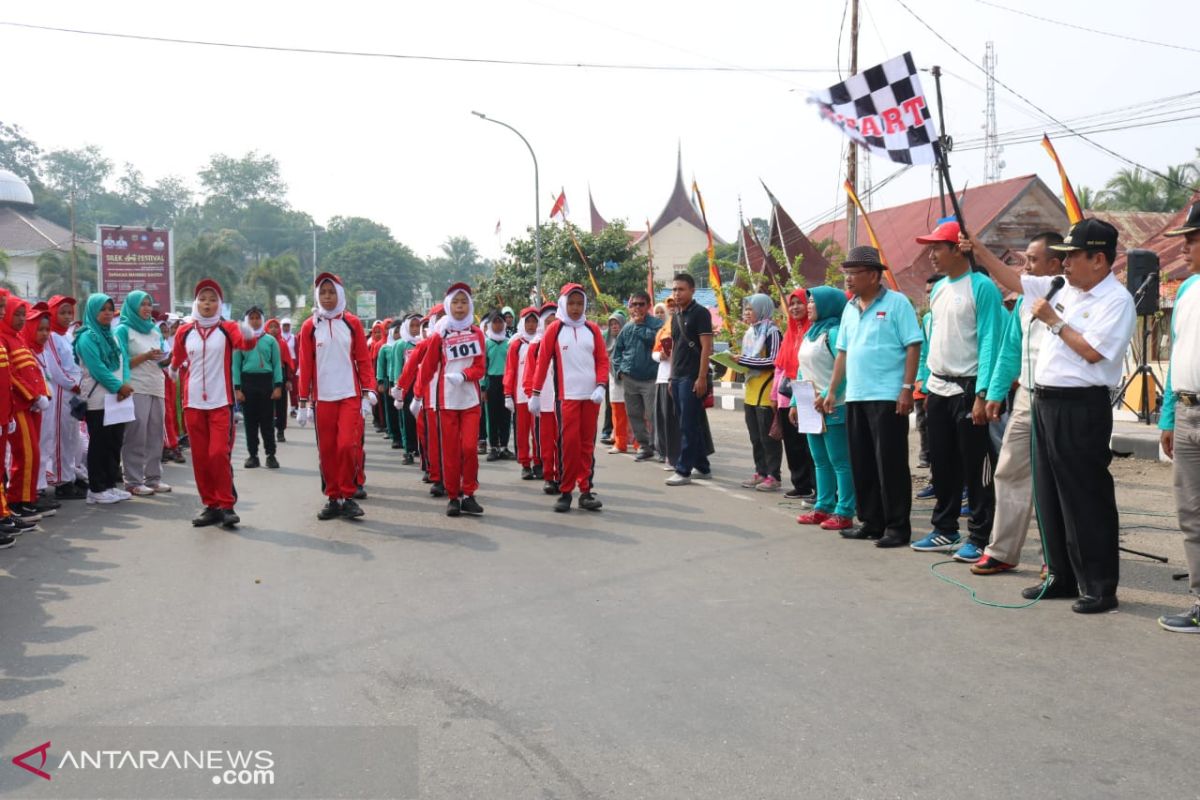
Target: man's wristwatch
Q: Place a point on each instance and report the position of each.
(908, 386)
(1057, 327)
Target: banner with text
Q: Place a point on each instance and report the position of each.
(136, 258)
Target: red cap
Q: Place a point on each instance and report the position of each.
(327, 276)
(570, 287)
(549, 307)
(946, 232)
(438, 309)
(526, 311)
(458, 287)
(209, 283)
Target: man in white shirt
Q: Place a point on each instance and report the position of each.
(1180, 421)
(1091, 321)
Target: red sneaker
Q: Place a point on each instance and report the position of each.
(836, 523)
(990, 566)
(812, 518)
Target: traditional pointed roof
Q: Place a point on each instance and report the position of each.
(679, 205)
(787, 236)
(599, 223)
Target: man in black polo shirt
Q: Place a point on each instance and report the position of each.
(691, 345)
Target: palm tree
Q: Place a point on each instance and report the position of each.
(1088, 199)
(459, 261)
(278, 275)
(5, 283)
(213, 255)
(1133, 190)
(1178, 186)
(54, 272)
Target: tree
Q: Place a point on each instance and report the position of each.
(81, 171)
(236, 182)
(5, 283)
(1136, 190)
(54, 272)
(762, 228)
(389, 268)
(459, 261)
(279, 275)
(212, 255)
(725, 255)
(1088, 199)
(342, 231)
(1179, 185)
(18, 153)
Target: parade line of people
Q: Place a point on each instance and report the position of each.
(1010, 373)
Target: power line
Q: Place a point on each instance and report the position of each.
(415, 57)
(1043, 111)
(1088, 30)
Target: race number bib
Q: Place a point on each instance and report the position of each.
(461, 346)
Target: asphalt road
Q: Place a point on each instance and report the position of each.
(688, 642)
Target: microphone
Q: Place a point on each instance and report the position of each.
(1056, 284)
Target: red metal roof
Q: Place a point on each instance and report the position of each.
(1169, 248)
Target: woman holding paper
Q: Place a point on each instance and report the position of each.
(834, 506)
(787, 364)
(105, 375)
(760, 345)
(142, 349)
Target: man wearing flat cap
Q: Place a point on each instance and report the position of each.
(879, 345)
(1180, 421)
(1091, 321)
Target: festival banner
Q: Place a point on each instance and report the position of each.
(136, 258)
(884, 109)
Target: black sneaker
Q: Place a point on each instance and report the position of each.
(437, 490)
(470, 506)
(453, 508)
(493, 455)
(426, 479)
(397, 445)
(279, 437)
(361, 494)
(252, 463)
(550, 487)
(47, 504)
(69, 491)
(589, 501)
(507, 455)
(25, 512)
(6, 542)
(1187, 622)
(481, 449)
(330, 510)
(407, 460)
(526, 473)
(209, 516)
(538, 474)
(351, 509)
(17, 526)
(563, 503)
(82, 485)
(229, 518)
(644, 455)
(607, 439)
(272, 463)
(1052, 592)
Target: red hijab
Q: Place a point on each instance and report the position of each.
(33, 316)
(284, 353)
(10, 335)
(788, 359)
(57, 302)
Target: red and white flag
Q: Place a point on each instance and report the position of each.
(560, 206)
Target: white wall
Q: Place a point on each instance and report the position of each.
(674, 246)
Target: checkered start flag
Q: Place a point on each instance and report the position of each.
(884, 109)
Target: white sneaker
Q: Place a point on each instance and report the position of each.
(160, 487)
(104, 497)
(678, 480)
(140, 490)
(120, 494)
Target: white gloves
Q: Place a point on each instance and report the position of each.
(399, 404)
(454, 379)
(598, 395)
(510, 405)
(415, 406)
(366, 407)
(12, 426)
(247, 331)
(303, 415)
(42, 403)
(535, 405)
(397, 394)
(371, 398)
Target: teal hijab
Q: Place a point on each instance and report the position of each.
(101, 334)
(129, 312)
(830, 303)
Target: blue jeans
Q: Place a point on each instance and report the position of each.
(691, 442)
(831, 457)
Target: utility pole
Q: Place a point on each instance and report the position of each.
(852, 155)
(74, 283)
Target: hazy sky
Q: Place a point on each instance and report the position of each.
(395, 141)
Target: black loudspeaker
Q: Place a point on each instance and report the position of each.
(1141, 277)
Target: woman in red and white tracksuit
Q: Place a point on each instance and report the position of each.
(516, 399)
(545, 419)
(203, 355)
(417, 391)
(336, 375)
(572, 359)
(453, 364)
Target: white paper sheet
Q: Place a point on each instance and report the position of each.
(808, 419)
(117, 411)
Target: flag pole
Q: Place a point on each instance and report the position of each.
(714, 276)
(649, 262)
(944, 144)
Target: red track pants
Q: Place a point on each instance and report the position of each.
(459, 434)
(548, 441)
(211, 434)
(26, 457)
(339, 425)
(528, 449)
(577, 445)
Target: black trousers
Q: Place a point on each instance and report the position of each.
(768, 453)
(1076, 501)
(799, 460)
(922, 434)
(258, 412)
(498, 422)
(281, 405)
(391, 416)
(104, 452)
(409, 423)
(879, 460)
(961, 454)
(608, 424)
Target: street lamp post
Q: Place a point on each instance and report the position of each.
(537, 207)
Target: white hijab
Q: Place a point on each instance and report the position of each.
(338, 310)
(562, 316)
(405, 334)
(448, 322)
(202, 321)
(257, 331)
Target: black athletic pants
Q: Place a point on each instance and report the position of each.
(960, 454)
(799, 460)
(104, 452)
(1076, 501)
(879, 460)
(258, 411)
(498, 422)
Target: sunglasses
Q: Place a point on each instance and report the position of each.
(636, 304)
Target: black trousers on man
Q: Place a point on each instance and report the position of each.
(879, 461)
(1076, 501)
(960, 454)
(799, 460)
(258, 412)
